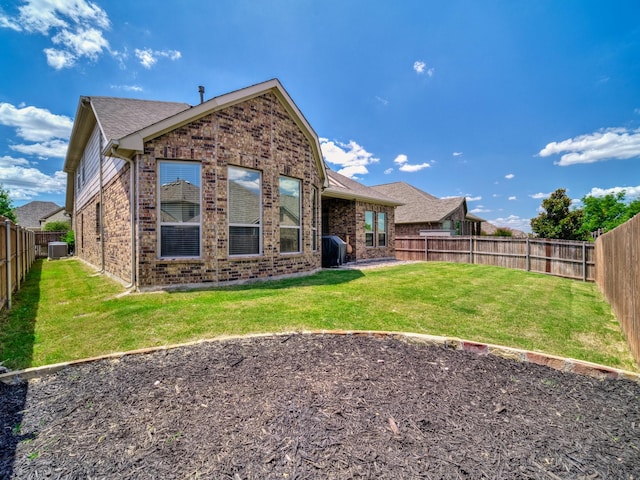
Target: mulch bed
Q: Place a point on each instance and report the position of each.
(312, 406)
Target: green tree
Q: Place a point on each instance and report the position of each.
(604, 213)
(57, 226)
(558, 220)
(503, 232)
(6, 206)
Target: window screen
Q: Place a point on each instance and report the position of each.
(289, 215)
(245, 211)
(179, 186)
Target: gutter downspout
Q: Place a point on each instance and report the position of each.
(101, 210)
(114, 153)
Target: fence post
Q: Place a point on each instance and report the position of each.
(426, 248)
(471, 250)
(18, 259)
(584, 261)
(528, 255)
(7, 225)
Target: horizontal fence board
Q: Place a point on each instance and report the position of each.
(618, 276)
(555, 257)
(17, 254)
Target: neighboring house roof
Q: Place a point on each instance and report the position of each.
(127, 124)
(346, 188)
(419, 206)
(474, 218)
(30, 214)
(180, 191)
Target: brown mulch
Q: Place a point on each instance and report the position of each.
(318, 407)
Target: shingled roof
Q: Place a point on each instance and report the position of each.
(121, 116)
(419, 206)
(29, 214)
(344, 187)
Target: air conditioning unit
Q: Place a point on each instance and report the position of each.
(58, 250)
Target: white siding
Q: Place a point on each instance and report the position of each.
(88, 173)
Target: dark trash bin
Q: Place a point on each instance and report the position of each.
(334, 251)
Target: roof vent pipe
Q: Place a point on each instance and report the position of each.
(201, 92)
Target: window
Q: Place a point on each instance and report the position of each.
(382, 229)
(314, 219)
(369, 238)
(289, 215)
(179, 192)
(245, 211)
(98, 218)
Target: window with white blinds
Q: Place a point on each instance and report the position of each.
(179, 198)
(245, 211)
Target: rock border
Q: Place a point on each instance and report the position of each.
(569, 365)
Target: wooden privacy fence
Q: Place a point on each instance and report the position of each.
(43, 239)
(17, 254)
(618, 276)
(556, 257)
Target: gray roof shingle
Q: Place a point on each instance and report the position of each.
(119, 117)
(29, 214)
(419, 206)
(344, 187)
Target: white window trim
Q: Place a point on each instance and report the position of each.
(299, 227)
(373, 229)
(378, 233)
(314, 221)
(173, 224)
(252, 225)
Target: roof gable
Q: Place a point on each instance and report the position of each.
(133, 142)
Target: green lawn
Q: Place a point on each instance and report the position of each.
(64, 311)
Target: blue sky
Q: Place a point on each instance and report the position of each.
(499, 101)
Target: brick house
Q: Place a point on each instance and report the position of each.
(424, 214)
(231, 190)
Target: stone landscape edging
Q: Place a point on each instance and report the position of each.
(570, 365)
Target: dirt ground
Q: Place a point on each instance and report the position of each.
(318, 407)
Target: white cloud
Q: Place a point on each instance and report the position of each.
(48, 149)
(630, 192)
(473, 199)
(383, 101)
(75, 26)
(148, 58)
(512, 198)
(403, 160)
(24, 182)
(480, 209)
(606, 144)
(35, 124)
(413, 168)
(59, 59)
(350, 156)
(421, 68)
(457, 154)
(509, 176)
(388, 171)
(514, 222)
(540, 195)
(127, 88)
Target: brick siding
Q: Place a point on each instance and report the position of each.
(257, 134)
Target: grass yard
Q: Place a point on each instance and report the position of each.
(65, 311)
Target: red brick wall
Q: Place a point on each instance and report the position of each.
(257, 134)
(345, 218)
